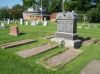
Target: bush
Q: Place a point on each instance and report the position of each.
(94, 15)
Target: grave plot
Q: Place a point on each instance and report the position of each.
(48, 37)
(36, 50)
(91, 41)
(61, 58)
(92, 68)
(13, 44)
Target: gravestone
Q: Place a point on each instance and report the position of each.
(21, 21)
(26, 22)
(4, 20)
(14, 31)
(37, 22)
(45, 22)
(33, 23)
(8, 21)
(66, 30)
(13, 20)
(2, 25)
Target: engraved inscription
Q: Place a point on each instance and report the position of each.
(64, 26)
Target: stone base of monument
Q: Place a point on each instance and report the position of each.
(68, 43)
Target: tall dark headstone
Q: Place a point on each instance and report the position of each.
(66, 29)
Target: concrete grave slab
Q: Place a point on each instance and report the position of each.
(92, 68)
(61, 58)
(36, 50)
(13, 44)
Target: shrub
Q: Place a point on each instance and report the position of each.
(94, 15)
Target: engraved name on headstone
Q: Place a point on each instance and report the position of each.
(66, 25)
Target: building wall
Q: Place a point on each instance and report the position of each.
(53, 17)
(30, 16)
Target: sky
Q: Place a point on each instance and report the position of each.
(10, 3)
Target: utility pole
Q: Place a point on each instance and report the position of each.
(63, 5)
(41, 11)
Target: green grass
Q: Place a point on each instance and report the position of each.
(10, 63)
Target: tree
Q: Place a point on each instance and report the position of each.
(94, 14)
(55, 6)
(4, 13)
(81, 6)
(16, 11)
(28, 3)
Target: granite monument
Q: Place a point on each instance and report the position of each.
(66, 30)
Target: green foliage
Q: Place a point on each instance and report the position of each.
(54, 6)
(16, 11)
(80, 6)
(4, 13)
(94, 14)
(50, 5)
(28, 3)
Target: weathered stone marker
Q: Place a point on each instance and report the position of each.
(8, 21)
(66, 29)
(2, 25)
(45, 22)
(21, 21)
(14, 31)
(26, 23)
(33, 23)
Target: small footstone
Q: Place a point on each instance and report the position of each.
(92, 68)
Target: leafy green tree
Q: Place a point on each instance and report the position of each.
(55, 6)
(94, 14)
(16, 11)
(81, 6)
(28, 3)
(4, 13)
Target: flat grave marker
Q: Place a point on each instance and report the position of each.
(35, 51)
(61, 58)
(13, 44)
(92, 68)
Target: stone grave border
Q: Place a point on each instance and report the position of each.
(20, 53)
(42, 62)
(16, 43)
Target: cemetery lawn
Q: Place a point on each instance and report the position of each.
(10, 63)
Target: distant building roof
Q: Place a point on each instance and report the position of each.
(35, 9)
